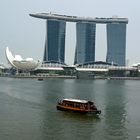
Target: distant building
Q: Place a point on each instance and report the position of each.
(116, 43)
(137, 66)
(85, 43)
(19, 63)
(55, 41)
(85, 38)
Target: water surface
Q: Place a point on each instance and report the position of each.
(28, 109)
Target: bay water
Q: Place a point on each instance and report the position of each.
(28, 109)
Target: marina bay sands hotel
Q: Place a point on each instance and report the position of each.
(85, 38)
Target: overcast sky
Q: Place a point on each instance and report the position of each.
(25, 35)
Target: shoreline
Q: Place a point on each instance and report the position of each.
(41, 77)
(120, 78)
(71, 77)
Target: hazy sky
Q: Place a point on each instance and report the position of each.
(25, 35)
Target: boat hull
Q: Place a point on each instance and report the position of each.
(78, 110)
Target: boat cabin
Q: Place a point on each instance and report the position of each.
(82, 106)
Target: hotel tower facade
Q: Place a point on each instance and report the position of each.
(85, 38)
(55, 41)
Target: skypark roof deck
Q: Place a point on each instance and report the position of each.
(79, 19)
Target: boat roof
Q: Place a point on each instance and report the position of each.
(76, 100)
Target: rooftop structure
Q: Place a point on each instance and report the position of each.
(76, 100)
(79, 19)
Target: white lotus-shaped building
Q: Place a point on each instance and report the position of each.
(23, 64)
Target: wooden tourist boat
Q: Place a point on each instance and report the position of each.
(76, 105)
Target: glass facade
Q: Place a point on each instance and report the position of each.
(85, 45)
(55, 41)
(116, 43)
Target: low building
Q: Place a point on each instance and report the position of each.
(27, 64)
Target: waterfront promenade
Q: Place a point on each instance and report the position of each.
(70, 77)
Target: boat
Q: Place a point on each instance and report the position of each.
(77, 105)
(40, 79)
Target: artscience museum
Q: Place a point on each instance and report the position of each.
(19, 63)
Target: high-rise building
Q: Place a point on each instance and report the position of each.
(85, 38)
(55, 41)
(85, 43)
(116, 43)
